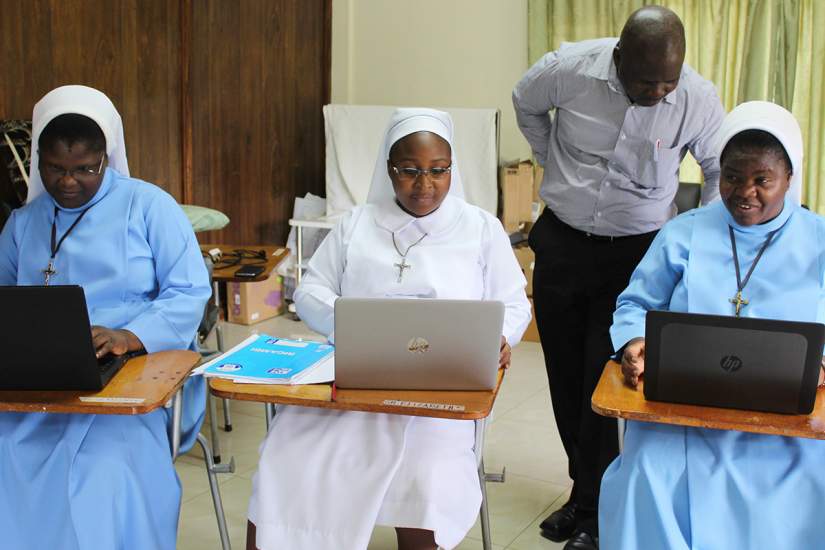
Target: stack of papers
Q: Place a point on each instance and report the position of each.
(264, 359)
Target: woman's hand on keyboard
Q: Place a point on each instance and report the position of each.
(116, 342)
(633, 361)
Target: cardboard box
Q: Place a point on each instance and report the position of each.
(249, 303)
(516, 181)
(527, 260)
(532, 332)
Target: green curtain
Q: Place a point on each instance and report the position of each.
(809, 96)
(751, 49)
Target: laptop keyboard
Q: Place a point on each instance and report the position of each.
(105, 362)
(110, 360)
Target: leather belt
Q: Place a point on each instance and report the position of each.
(588, 235)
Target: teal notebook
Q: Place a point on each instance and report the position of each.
(271, 360)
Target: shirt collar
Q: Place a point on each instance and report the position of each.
(393, 218)
(788, 208)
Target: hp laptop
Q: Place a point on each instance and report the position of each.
(411, 344)
(732, 362)
(47, 341)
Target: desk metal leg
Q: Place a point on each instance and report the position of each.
(483, 478)
(485, 515)
(211, 471)
(269, 409)
(219, 336)
(177, 411)
(620, 422)
(213, 426)
(227, 419)
(213, 412)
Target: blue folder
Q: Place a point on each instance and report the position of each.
(271, 359)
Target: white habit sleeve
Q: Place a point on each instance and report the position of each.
(504, 281)
(321, 284)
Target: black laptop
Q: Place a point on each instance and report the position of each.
(47, 341)
(732, 362)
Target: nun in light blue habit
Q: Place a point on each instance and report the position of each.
(682, 488)
(84, 482)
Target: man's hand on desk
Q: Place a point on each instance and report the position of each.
(504, 354)
(116, 342)
(633, 361)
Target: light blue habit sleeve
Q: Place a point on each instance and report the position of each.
(8, 252)
(653, 281)
(173, 316)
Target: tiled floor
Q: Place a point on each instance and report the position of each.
(521, 436)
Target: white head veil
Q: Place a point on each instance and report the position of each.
(777, 121)
(80, 100)
(404, 122)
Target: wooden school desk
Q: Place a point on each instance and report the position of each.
(144, 384)
(615, 399)
(458, 405)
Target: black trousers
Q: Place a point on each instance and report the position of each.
(576, 281)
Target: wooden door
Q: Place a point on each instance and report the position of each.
(260, 75)
(128, 49)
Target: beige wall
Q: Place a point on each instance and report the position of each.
(438, 53)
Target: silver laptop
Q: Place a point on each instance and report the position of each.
(411, 344)
(735, 362)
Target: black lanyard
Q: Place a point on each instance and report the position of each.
(737, 300)
(55, 243)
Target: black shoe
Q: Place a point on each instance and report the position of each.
(582, 541)
(561, 524)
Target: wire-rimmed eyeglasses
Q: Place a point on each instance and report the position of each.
(411, 174)
(80, 173)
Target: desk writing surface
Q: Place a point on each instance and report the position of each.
(460, 405)
(616, 399)
(141, 386)
(274, 255)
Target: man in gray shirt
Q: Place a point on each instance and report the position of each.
(625, 112)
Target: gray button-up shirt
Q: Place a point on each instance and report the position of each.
(611, 167)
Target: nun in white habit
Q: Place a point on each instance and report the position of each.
(326, 478)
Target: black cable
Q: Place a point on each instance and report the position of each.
(241, 256)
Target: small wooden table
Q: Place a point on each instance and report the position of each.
(616, 399)
(274, 256)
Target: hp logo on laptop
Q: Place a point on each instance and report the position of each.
(418, 345)
(730, 363)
